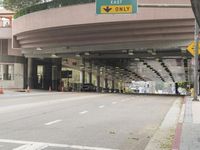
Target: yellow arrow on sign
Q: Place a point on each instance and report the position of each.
(191, 48)
(116, 9)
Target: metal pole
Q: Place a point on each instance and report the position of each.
(196, 61)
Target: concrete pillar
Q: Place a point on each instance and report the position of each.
(30, 70)
(90, 72)
(106, 83)
(82, 76)
(113, 85)
(82, 73)
(98, 79)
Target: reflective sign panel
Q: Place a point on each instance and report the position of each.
(116, 6)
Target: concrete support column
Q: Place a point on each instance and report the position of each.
(98, 79)
(82, 73)
(30, 70)
(106, 82)
(113, 85)
(90, 73)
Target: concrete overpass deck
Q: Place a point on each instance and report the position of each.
(150, 45)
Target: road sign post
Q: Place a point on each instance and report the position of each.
(116, 6)
(196, 62)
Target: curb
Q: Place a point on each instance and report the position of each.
(162, 138)
(178, 133)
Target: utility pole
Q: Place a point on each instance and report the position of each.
(196, 61)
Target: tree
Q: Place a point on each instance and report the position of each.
(16, 5)
(1, 3)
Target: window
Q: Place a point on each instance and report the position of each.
(3, 47)
(6, 72)
(5, 22)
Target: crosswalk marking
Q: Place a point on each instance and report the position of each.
(44, 145)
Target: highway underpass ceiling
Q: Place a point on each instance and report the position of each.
(168, 65)
(147, 41)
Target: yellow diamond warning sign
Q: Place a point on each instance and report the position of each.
(191, 48)
(117, 9)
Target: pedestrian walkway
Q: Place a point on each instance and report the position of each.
(16, 93)
(190, 137)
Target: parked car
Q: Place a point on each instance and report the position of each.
(88, 88)
(105, 90)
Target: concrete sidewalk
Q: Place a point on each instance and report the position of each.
(190, 136)
(15, 93)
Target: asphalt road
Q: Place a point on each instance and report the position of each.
(79, 121)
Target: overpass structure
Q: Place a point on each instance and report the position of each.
(150, 45)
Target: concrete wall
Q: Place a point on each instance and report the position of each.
(18, 82)
(5, 33)
(11, 51)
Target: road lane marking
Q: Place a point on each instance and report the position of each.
(36, 146)
(52, 122)
(83, 112)
(114, 103)
(19, 107)
(55, 145)
(102, 106)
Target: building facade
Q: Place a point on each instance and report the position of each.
(11, 60)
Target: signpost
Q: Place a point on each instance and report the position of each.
(116, 6)
(196, 62)
(191, 48)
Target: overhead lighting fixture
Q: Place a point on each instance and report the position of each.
(124, 51)
(54, 56)
(78, 55)
(183, 49)
(137, 59)
(87, 54)
(130, 52)
(39, 49)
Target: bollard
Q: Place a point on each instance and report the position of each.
(49, 88)
(62, 89)
(28, 89)
(1, 91)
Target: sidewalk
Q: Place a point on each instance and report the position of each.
(190, 136)
(16, 93)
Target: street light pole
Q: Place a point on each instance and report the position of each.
(196, 61)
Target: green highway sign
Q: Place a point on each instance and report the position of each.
(116, 6)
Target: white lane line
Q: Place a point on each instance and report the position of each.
(35, 146)
(83, 112)
(114, 103)
(102, 106)
(55, 145)
(52, 122)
